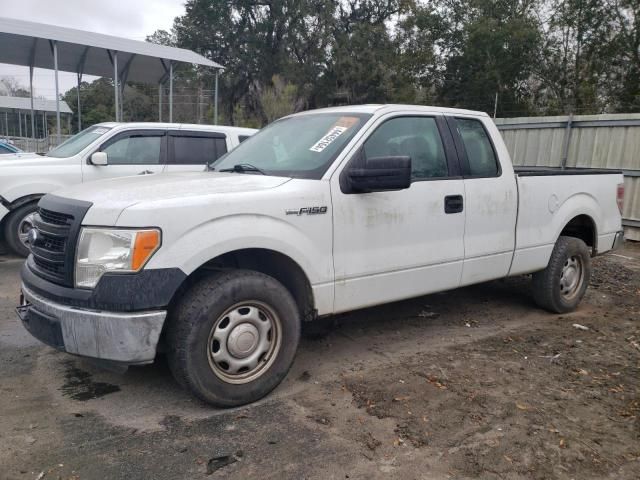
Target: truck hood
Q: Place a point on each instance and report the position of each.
(110, 197)
(28, 160)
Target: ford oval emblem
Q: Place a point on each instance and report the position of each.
(32, 236)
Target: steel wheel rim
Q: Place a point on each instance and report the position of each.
(571, 277)
(24, 227)
(244, 342)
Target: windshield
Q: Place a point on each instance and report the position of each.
(78, 142)
(302, 146)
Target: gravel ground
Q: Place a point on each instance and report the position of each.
(474, 383)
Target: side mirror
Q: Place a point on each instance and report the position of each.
(99, 158)
(380, 174)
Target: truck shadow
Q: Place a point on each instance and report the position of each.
(380, 331)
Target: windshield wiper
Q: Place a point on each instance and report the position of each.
(243, 168)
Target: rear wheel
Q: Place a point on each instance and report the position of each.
(561, 286)
(233, 337)
(17, 227)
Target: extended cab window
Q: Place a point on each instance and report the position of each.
(196, 148)
(480, 155)
(415, 137)
(135, 148)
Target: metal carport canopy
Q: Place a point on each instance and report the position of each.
(38, 45)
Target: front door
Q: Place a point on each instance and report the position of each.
(134, 152)
(401, 244)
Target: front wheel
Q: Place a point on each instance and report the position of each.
(17, 227)
(560, 287)
(233, 337)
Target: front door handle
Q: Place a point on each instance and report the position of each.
(453, 204)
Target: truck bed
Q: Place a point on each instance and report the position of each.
(549, 198)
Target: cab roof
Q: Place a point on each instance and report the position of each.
(180, 126)
(390, 108)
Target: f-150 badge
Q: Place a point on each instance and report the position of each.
(307, 211)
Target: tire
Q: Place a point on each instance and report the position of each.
(15, 228)
(216, 323)
(560, 287)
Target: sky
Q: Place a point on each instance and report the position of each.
(134, 19)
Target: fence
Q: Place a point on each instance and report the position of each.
(38, 145)
(592, 141)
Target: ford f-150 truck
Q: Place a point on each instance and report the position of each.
(103, 151)
(319, 213)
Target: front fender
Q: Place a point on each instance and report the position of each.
(241, 231)
(39, 188)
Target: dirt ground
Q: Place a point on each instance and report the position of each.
(475, 383)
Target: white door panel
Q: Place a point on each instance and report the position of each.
(491, 202)
(393, 245)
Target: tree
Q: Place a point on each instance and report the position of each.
(492, 49)
(11, 87)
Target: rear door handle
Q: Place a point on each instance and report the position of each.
(453, 204)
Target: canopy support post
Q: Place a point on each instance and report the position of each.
(115, 84)
(19, 124)
(215, 101)
(170, 92)
(79, 75)
(32, 58)
(160, 102)
(54, 46)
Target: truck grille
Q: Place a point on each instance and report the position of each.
(54, 218)
(57, 225)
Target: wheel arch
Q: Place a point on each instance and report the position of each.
(583, 227)
(270, 262)
(15, 204)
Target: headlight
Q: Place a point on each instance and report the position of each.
(103, 250)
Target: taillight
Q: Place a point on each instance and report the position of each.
(620, 197)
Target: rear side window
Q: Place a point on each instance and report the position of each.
(196, 149)
(480, 154)
(242, 138)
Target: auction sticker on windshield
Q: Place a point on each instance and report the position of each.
(328, 139)
(342, 125)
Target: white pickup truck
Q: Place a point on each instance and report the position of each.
(103, 151)
(321, 212)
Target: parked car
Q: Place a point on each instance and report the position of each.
(321, 212)
(102, 151)
(7, 148)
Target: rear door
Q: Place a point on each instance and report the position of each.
(191, 151)
(133, 152)
(491, 200)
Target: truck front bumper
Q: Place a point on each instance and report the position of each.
(128, 338)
